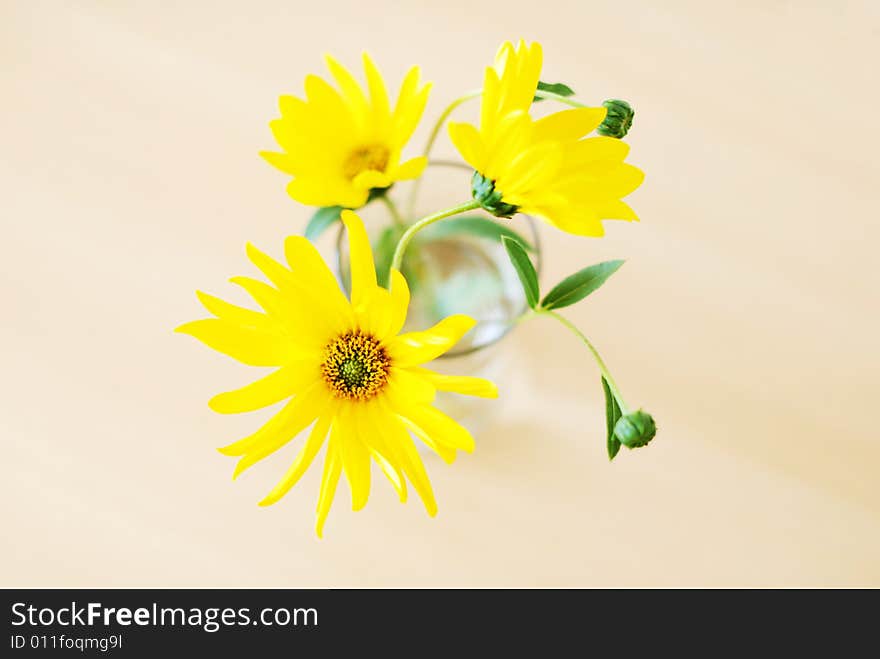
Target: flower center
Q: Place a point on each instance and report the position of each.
(364, 159)
(355, 366)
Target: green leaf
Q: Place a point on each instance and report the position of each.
(579, 285)
(321, 221)
(478, 226)
(524, 268)
(553, 88)
(612, 416)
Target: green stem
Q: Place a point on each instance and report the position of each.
(421, 224)
(562, 99)
(445, 115)
(392, 209)
(435, 132)
(602, 367)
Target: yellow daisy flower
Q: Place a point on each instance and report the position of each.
(344, 366)
(341, 144)
(543, 167)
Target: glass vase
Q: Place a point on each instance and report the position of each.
(451, 271)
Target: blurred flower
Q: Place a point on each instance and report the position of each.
(343, 366)
(339, 145)
(543, 167)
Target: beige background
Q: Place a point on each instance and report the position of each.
(746, 317)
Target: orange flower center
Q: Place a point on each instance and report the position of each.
(355, 366)
(364, 159)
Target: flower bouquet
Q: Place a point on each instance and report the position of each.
(348, 354)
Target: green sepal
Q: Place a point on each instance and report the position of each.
(375, 193)
(576, 287)
(636, 429)
(321, 221)
(479, 226)
(553, 88)
(483, 190)
(612, 416)
(618, 118)
(524, 269)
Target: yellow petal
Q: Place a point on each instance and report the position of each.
(616, 210)
(580, 221)
(302, 462)
(249, 346)
(363, 271)
(287, 381)
(399, 302)
(319, 189)
(291, 107)
(467, 140)
(489, 107)
(370, 178)
(519, 80)
(318, 313)
(459, 384)
(329, 480)
(446, 453)
(511, 137)
(410, 169)
(623, 180)
(594, 149)
(351, 90)
(285, 138)
(281, 427)
(381, 451)
(355, 456)
(333, 109)
(429, 422)
(308, 144)
(532, 169)
(378, 97)
(235, 314)
(504, 53)
(280, 161)
(410, 105)
(308, 266)
(414, 348)
(396, 435)
(375, 313)
(264, 295)
(318, 135)
(569, 124)
(276, 273)
(394, 476)
(409, 387)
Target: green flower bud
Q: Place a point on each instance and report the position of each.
(484, 191)
(618, 119)
(635, 429)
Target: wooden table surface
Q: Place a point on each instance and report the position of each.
(746, 318)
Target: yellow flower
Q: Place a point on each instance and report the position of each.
(344, 366)
(543, 167)
(339, 144)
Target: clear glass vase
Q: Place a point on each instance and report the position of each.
(453, 272)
